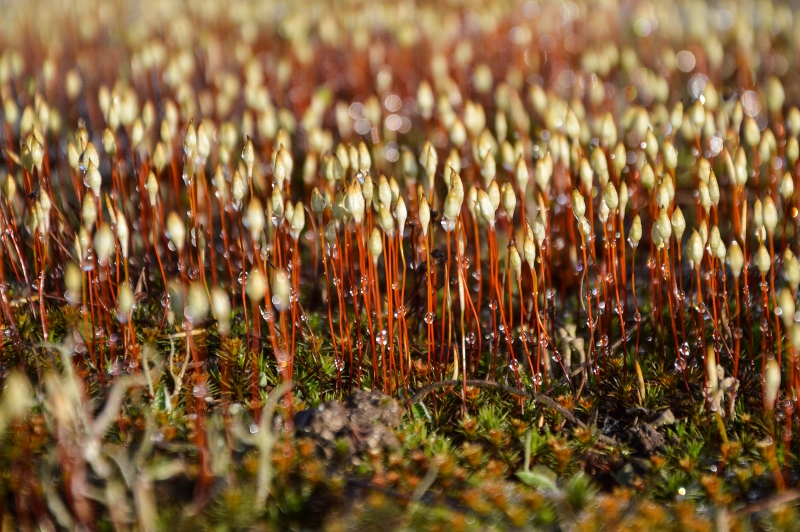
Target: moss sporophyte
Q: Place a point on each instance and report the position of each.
(515, 264)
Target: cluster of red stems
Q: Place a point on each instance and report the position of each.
(494, 202)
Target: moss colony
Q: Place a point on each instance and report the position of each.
(459, 265)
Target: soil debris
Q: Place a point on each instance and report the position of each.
(664, 418)
(646, 439)
(364, 422)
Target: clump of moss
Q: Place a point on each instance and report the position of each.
(561, 238)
